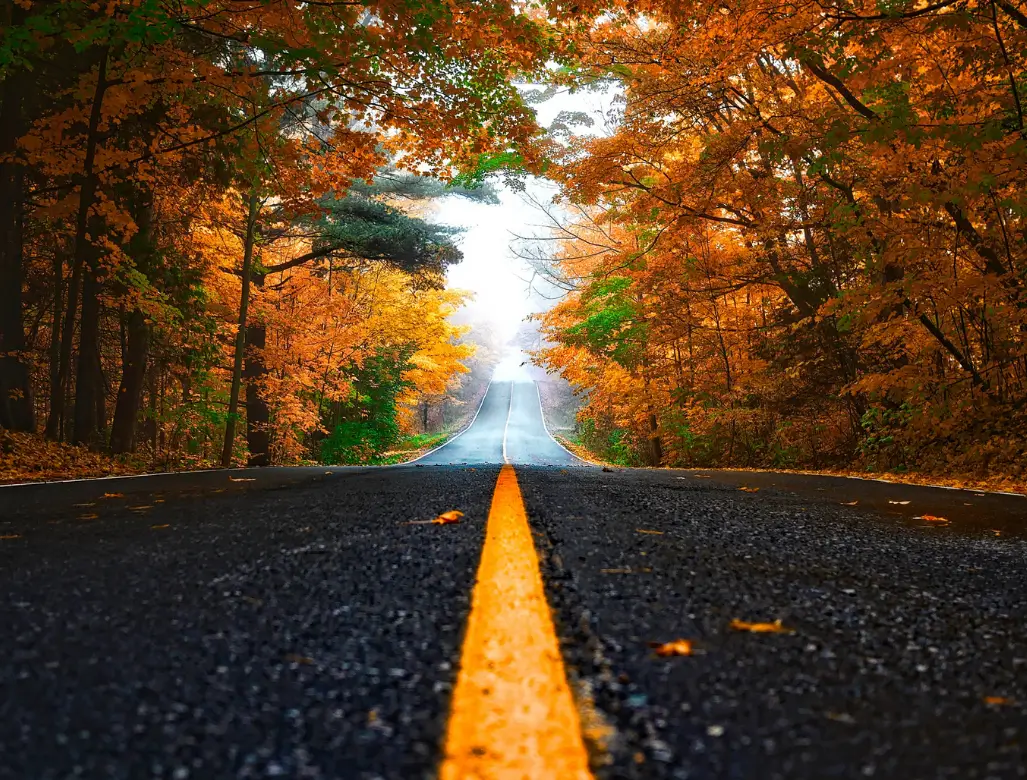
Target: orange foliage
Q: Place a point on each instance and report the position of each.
(804, 242)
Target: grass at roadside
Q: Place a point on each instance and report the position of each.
(410, 447)
(993, 483)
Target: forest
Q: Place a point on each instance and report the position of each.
(802, 244)
(799, 241)
(212, 249)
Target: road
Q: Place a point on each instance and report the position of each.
(306, 623)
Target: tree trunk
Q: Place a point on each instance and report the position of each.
(84, 263)
(258, 414)
(17, 411)
(137, 334)
(126, 412)
(88, 420)
(55, 336)
(240, 337)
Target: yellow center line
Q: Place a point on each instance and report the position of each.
(512, 715)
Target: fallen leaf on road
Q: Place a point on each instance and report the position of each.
(996, 532)
(932, 518)
(141, 508)
(761, 628)
(446, 518)
(88, 517)
(901, 503)
(11, 536)
(677, 647)
(999, 701)
(747, 489)
(242, 479)
(644, 531)
(849, 503)
(88, 503)
(841, 717)
(113, 495)
(155, 527)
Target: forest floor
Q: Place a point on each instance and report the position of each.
(26, 457)
(991, 483)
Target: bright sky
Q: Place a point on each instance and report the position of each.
(490, 269)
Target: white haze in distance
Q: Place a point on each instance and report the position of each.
(498, 279)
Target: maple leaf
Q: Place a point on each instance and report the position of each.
(932, 518)
(761, 628)
(677, 647)
(448, 518)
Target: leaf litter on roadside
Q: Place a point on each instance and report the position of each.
(999, 701)
(761, 628)
(747, 489)
(446, 518)
(677, 647)
(933, 519)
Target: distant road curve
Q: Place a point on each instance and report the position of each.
(508, 428)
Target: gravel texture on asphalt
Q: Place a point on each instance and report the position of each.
(900, 633)
(292, 623)
(303, 632)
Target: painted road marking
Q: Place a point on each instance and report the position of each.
(506, 428)
(512, 715)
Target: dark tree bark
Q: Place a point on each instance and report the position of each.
(56, 389)
(137, 334)
(240, 337)
(130, 393)
(17, 410)
(89, 415)
(258, 415)
(84, 264)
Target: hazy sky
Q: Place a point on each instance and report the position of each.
(498, 279)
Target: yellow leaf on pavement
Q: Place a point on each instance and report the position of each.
(761, 628)
(446, 518)
(747, 489)
(677, 647)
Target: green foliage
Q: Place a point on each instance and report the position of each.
(366, 425)
(370, 230)
(611, 326)
(610, 443)
(487, 165)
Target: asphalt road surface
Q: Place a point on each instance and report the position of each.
(304, 623)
